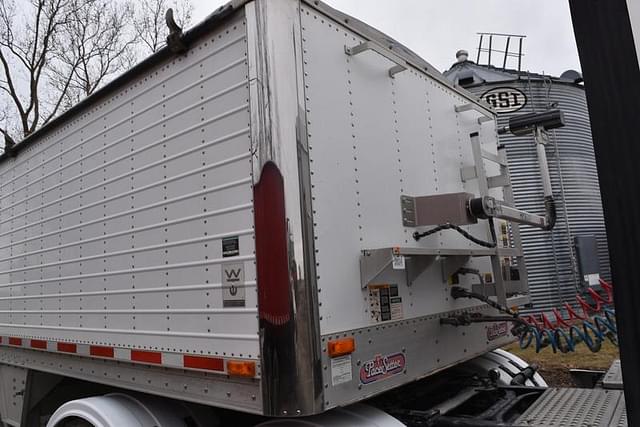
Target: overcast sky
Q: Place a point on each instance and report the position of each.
(436, 29)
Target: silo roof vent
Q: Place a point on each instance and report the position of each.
(573, 76)
(462, 55)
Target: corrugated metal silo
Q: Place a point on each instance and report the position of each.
(552, 265)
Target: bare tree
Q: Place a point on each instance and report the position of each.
(150, 23)
(5, 124)
(95, 45)
(27, 40)
(53, 53)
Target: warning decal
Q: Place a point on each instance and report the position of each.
(385, 303)
(230, 247)
(341, 370)
(233, 292)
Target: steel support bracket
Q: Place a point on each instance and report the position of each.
(374, 262)
(498, 181)
(414, 261)
(486, 116)
(386, 53)
(495, 158)
(468, 173)
(416, 265)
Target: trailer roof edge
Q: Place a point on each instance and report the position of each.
(216, 18)
(412, 58)
(211, 22)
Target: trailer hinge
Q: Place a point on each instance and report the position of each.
(174, 39)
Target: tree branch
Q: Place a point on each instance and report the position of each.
(12, 90)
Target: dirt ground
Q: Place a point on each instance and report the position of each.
(554, 367)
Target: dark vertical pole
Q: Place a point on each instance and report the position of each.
(506, 54)
(612, 81)
(520, 56)
(479, 49)
(490, 43)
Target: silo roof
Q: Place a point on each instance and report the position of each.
(483, 74)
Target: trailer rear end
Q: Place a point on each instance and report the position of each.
(248, 224)
(380, 128)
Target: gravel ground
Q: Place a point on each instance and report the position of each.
(554, 367)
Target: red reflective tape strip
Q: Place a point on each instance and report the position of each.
(208, 363)
(154, 357)
(146, 356)
(67, 347)
(96, 350)
(38, 344)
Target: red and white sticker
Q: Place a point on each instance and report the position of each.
(382, 367)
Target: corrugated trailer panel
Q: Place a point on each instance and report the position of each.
(118, 227)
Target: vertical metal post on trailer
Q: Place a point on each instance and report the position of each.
(605, 33)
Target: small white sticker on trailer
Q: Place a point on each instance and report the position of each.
(398, 262)
(341, 371)
(592, 279)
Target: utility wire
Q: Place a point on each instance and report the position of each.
(417, 235)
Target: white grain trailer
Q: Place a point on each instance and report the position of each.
(229, 226)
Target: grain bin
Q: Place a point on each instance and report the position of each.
(558, 261)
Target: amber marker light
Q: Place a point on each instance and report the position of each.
(237, 368)
(341, 347)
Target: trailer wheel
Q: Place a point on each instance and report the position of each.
(119, 410)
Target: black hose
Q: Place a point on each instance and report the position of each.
(520, 325)
(465, 234)
(458, 292)
(593, 331)
(519, 328)
(492, 229)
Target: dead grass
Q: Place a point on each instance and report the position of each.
(554, 367)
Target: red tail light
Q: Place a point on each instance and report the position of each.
(272, 264)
